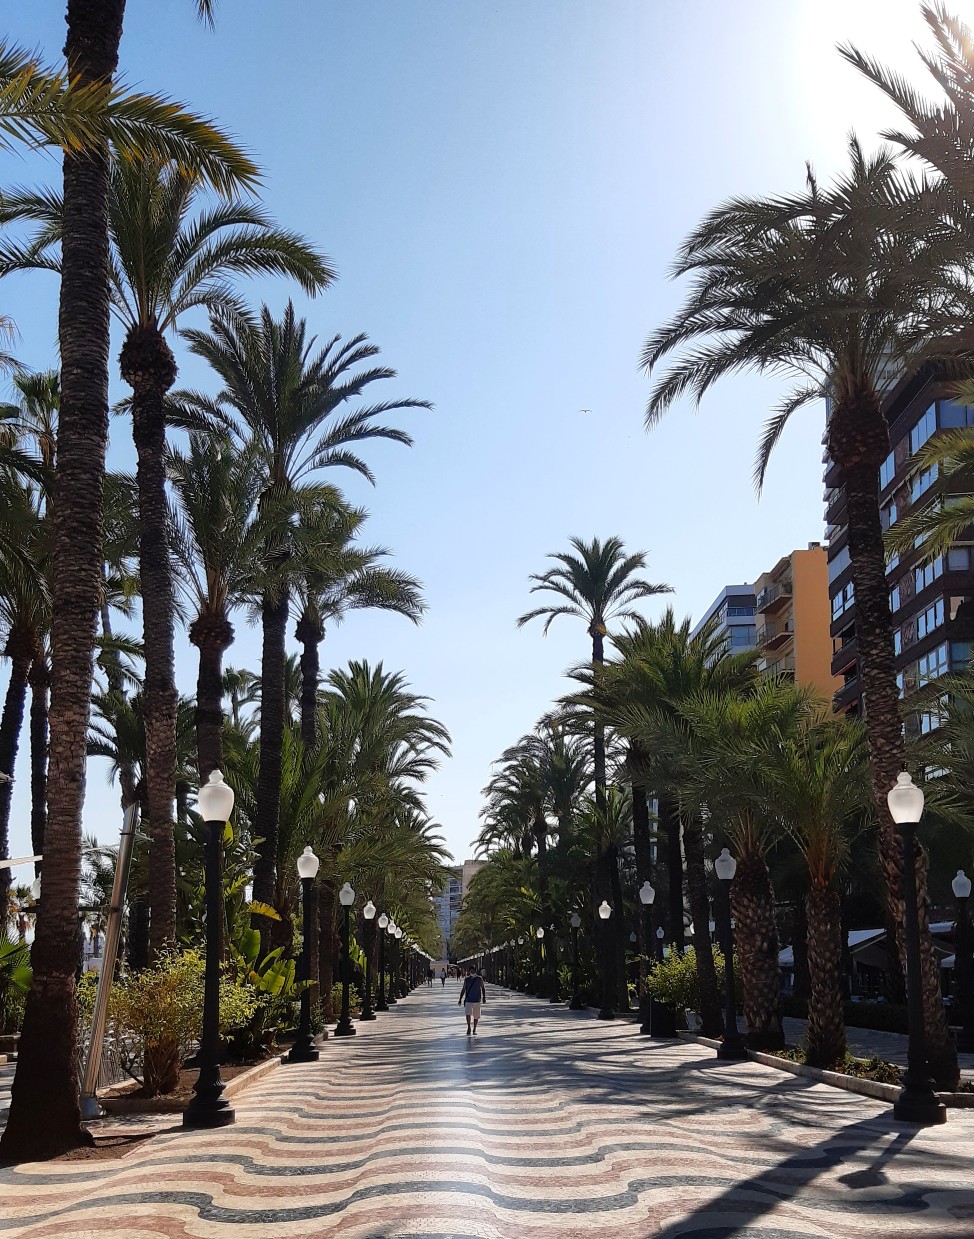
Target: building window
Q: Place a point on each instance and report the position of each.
(960, 655)
(959, 559)
(929, 621)
(887, 514)
(933, 665)
(899, 683)
(839, 563)
(953, 415)
(843, 600)
(741, 636)
(924, 428)
(926, 574)
(894, 598)
(886, 471)
(894, 562)
(922, 482)
(898, 641)
(740, 611)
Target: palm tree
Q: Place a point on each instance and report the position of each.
(838, 288)
(287, 404)
(597, 584)
(216, 542)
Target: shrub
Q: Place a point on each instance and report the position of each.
(673, 980)
(354, 998)
(161, 1010)
(15, 978)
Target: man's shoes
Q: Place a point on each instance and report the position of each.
(468, 1032)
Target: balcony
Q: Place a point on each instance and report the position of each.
(784, 668)
(773, 636)
(844, 654)
(847, 695)
(775, 597)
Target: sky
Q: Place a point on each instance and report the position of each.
(502, 187)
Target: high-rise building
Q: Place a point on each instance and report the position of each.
(933, 613)
(792, 618)
(733, 612)
(447, 902)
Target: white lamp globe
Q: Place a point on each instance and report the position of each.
(576, 920)
(307, 864)
(726, 866)
(383, 921)
(905, 800)
(520, 942)
(661, 933)
(539, 932)
(398, 932)
(346, 896)
(646, 894)
(369, 910)
(35, 889)
(961, 885)
(215, 800)
(391, 929)
(604, 910)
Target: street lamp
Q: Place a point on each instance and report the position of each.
(303, 1050)
(383, 924)
(963, 964)
(917, 1103)
(400, 988)
(207, 1108)
(646, 897)
(368, 1013)
(576, 1003)
(346, 897)
(606, 1013)
(732, 1046)
(390, 981)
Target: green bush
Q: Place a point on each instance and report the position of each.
(673, 980)
(159, 1012)
(354, 998)
(15, 976)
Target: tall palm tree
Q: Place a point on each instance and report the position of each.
(44, 1115)
(599, 583)
(291, 406)
(834, 287)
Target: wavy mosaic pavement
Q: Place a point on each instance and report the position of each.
(549, 1125)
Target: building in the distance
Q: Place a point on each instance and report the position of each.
(470, 868)
(792, 617)
(733, 612)
(447, 902)
(931, 603)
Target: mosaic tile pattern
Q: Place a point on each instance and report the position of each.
(548, 1125)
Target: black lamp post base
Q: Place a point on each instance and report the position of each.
(607, 1014)
(732, 1049)
(368, 1015)
(921, 1107)
(554, 998)
(662, 1020)
(345, 1030)
(381, 1006)
(576, 1004)
(299, 1053)
(216, 1114)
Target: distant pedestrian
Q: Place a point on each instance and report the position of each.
(443, 977)
(429, 979)
(472, 993)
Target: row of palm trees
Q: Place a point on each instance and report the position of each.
(701, 751)
(154, 219)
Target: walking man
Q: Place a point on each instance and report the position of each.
(472, 994)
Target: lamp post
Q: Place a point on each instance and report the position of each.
(576, 1003)
(606, 1013)
(732, 1046)
(346, 897)
(399, 985)
(917, 1103)
(963, 964)
(539, 975)
(303, 1050)
(383, 924)
(368, 1012)
(646, 897)
(391, 979)
(207, 1108)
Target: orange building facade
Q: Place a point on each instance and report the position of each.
(792, 618)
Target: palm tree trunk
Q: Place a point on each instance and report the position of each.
(757, 947)
(40, 682)
(211, 635)
(671, 827)
(802, 987)
(310, 634)
(44, 1117)
(149, 368)
(858, 441)
(268, 806)
(550, 983)
(825, 1034)
(11, 723)
(710, 1013)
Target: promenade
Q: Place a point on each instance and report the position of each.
(547, 1125)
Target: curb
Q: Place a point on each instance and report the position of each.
(835, 1079)
(165, 1105)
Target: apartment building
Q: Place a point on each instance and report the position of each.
(792, 620)
(931, 603)
(733, 611)
(447, 902)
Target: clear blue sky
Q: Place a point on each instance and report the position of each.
(502, 187)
